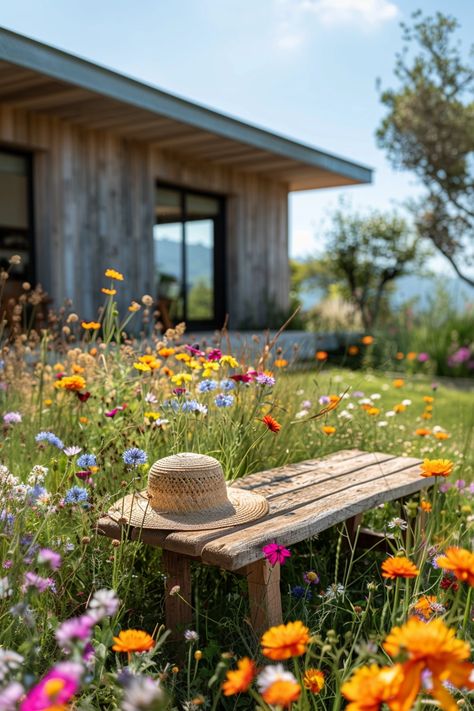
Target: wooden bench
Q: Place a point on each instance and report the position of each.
(304, 498)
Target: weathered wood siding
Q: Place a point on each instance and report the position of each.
(94, 208)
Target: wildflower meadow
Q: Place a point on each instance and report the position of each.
(87, 406)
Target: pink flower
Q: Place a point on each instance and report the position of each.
(55, 689)
(53, 559)
(73, 630)
(275, 553)
(113, 412)
(215, 354)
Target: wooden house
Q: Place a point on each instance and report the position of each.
(99, 170)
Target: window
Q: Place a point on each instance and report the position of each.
(189, 256)
(16, 236)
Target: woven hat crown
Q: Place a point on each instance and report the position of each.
(186, 482)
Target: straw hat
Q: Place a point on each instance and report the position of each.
(188, 492)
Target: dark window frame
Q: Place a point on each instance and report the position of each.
(219, 252)
(29, 232)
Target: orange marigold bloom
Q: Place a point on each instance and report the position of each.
(367, 340)
(425, 506)
(321, 355)
(371, 686)
(353, 350)
(113, 274)
(399, 408)
(165, 352)
(74, 383)
(398, 383)
(460, 562)
(285, 641)
(271, 423)
(428, 398)
(437, 467)
(328, 429)
(133, 641)
(373, 411)
(426, 415)
(430, 646)
(399, 355)
(90, 325)
(441, 435)
(422, 432)
(313, 680)
(238, 680)
(399, 567)
(424, 606)
(411, 355)
(282, 693)
(280, 363)
(77, 368)
(83, 420)
(109, 292)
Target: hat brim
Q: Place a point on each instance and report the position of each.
(244, 506)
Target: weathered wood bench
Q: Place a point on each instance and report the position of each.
(304, 498)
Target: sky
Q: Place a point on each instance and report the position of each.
(307, 69)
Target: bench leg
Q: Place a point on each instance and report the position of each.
(179, 613)
(264, 595)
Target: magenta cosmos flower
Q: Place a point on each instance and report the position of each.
(275, 553)
(55, 689)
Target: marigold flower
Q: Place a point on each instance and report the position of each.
(371, 686)
(238, 680)
(282, 693)
(373, 411)
(428, 399)
(353, 350)
(321, 356)
(437, 467)
(367, 340)
(398, 383)
(166, 352)
(280, 363)
(185, 357)
(328, 430)
(72, 383)
(109, 292)
(90, 325)
(430, 647)
(113, 274)
(399, 567)
(271, 423)
(422, 432)
(313, 680)
(285, 641)
(150, 360)
(133, 641)
(460, 562)
(426, 415)
(399, 355)
(399, 408)
(411, 355)
(424, 606)
(143, 367)
(441, 435)
(425, 506)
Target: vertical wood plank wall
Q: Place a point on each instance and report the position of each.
(94, 208)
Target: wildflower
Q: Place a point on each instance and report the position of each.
(206, 386)
(142, 367)
(114, 410)
(55, 690)
(423, 357)
(437, 467)
(328, 430)
(311, 578)
(181, 379)
(399, 567)
(141, 692)
(90, 325)
(230, 361)
(113, 274)
(214, 354)
(11, 418)
(285, 641)
(398, 383)
(134, 457)
(50, 557)
(449, 583)
(441, 435)
(426, 506)
(433, 647)
(367, 340)
(85, 461)
(72, 451)
(73, 383)
(373, 411)
(399, 408)
(191, 636)
(10, 696)
(353, 350)
(399, 523)
(74, 630)
(50, 438)
(278, 686)
(424, 606)
(104, 603)
(460, 562)
(301, 593)
(333, 591)
(76, 495)
(32, 580)
(5, 591)
(275, 553)
(134, 307)
(321, 356)
(133, 641)
(271, 423)
(227, 384)
(371, 686)
(313, 680)
(242, 377)
(411, 355)
(238, 680)
(223, 400)
(422, 432)
(280, 363)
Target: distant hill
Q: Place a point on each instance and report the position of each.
(199, 259)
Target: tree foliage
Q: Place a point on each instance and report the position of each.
(429, 129)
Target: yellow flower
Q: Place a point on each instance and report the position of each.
(194, 364)
(285, 641)
(185, 357)
(328, 429)
(229, 360)
(210, 369)
(48, 402)
(150, 360)
(426, 416)
(367, 340)
(425, 506)
(437, 467)
(398, 383)
(109, 292)
(428, 398)
(399, 408)
(181, 378)
(280, 363)
(90, 325)
(73, 383)
(411, 355)
(441, 435)
(373, 411)
(134, 307)
(143, 367)
(58, 366)
(113, 274)
(151, 415)
(313, 680)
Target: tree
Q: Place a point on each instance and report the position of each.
(368, 254)
(429, 129)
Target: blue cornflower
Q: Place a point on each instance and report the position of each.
(263, 379)
(205, 386)
(189, 405)
(51, 438)
(223, 400)
(86, 461)
(227, 384)
(173, 404)
(34, 492)
(7, 519)
(301, 593)
(134, 457)
(76, 495)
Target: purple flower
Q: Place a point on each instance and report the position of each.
(423, 357)
(104, 603)
(357, 393)
(11, 418)
(275, 553)
(311, 578)
(51, 558)
(134, 457)
(263, 379)
(324, 400)
(459, 357)
(87, 460)
(223, 400)
(460, 484)
(301, 593)
(471, 488)
(32, 580)
(10, 696)
(215, 354)
(445, 487)
(74, 630)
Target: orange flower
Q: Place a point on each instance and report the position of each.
(460, 562)
(371, 686)
(373, 411)
(328, 429)
(353, 350)
(134, 306)
(73, 383)
(150, 360)
(321, 355)
(424, 606)
(367, 340)
(83, 420)
(399, 408)
(77, 368)
(422, 432)
(429, 399)
(436, 467)
(426, 415)
(313, 680)
(165, 352)
(271, 423)
(280, 363)
(433, 647)
(90, 325)
(282, 693)
(238, 680)
(399, 567)
(113, 274)
(398, 383)
(411, 355)
(109, 292)
(441, 435)
(399, 355)
(425, 506)
(284, 641)
(133, 641)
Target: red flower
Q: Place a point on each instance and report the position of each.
(242, 378)
(271, 423)
(448, 583)
(83, 397)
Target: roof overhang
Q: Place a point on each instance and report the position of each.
(40, 78)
